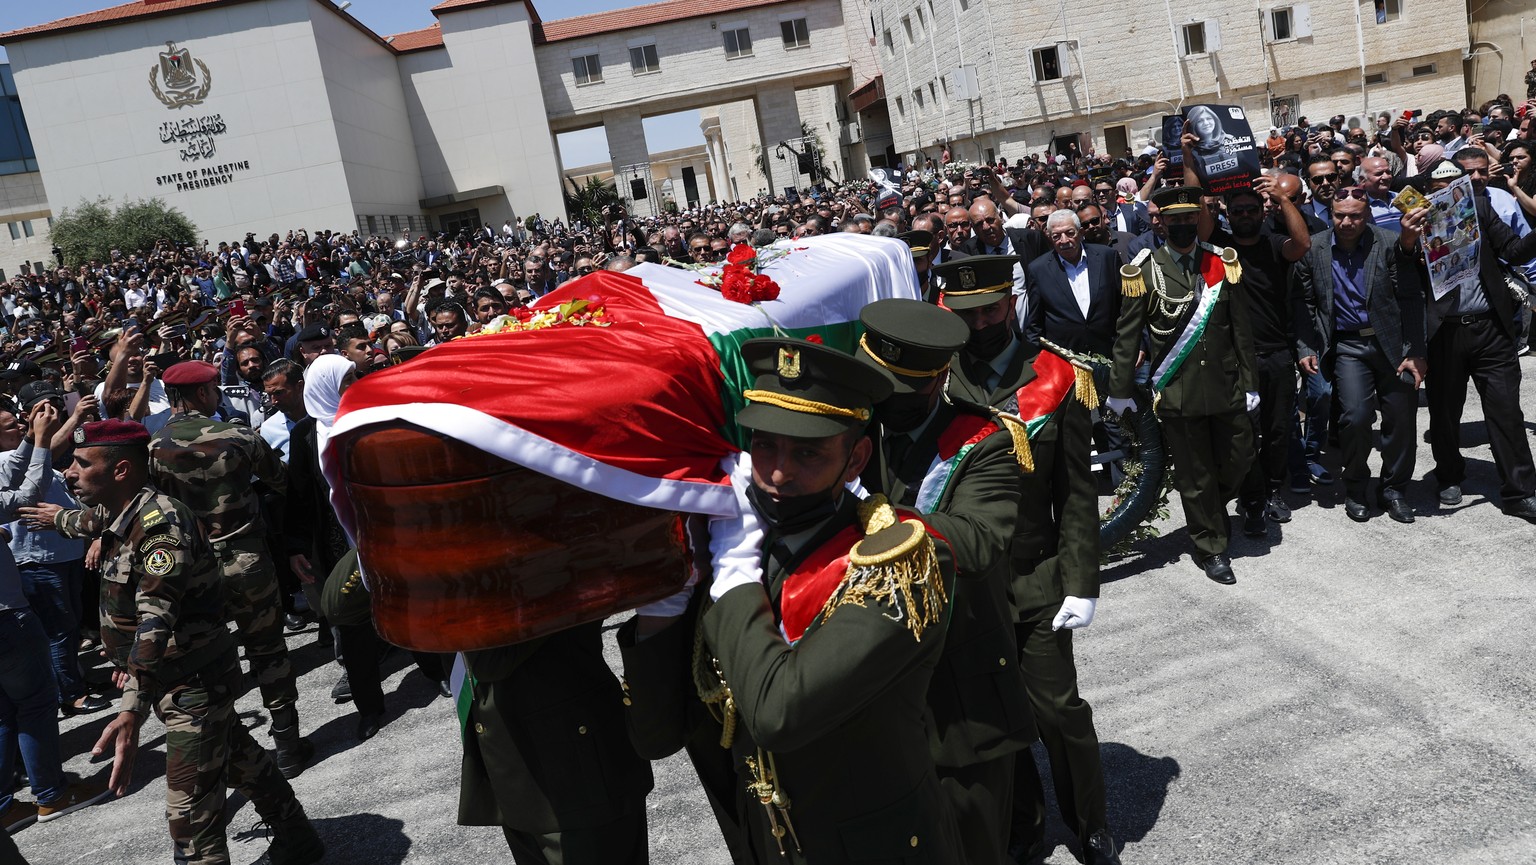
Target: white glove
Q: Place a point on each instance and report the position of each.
(1120, 406)
(1251, 399)
(736, 543)
(1075, 613)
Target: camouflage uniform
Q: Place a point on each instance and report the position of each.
(211, 465)
(162, 620)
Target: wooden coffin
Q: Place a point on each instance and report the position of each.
(465, 550)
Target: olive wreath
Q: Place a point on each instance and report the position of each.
(182, 100)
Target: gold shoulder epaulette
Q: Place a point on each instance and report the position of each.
(1234, 270)
(895, 565)
(1132, 283)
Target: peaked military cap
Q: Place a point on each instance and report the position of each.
(910, 340)
(808, 390)
(1178, 199)
(976, 280)
(920, 241)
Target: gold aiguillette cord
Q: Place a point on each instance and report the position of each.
(765, 786)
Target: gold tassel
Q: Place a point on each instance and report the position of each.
(1020, 435)
(709, 681)
(1086, 391)
(1132, 284)
(1233, 268)
(905, 576)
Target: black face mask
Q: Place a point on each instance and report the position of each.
(1183, 236)
(791, 514)
(904, 412)
(989, 342)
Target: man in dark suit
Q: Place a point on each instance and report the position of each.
(1153, 238)
(1472, 335)
(1075, 293)
(1186, 305)
(1361, 310)
(1055, 558)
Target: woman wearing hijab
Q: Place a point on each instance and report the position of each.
(317, 544)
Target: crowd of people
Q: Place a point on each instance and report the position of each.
(163, 412)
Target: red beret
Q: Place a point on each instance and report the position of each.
(111, 432)
(190, 372)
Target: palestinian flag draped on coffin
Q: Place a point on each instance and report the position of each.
(504, 486)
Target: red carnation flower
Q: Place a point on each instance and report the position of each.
(815, 337)
(736, 284)
(764, 288)
(741, 253)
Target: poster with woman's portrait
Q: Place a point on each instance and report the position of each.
(1451, 238)
(1173, 127)
(1225, 156)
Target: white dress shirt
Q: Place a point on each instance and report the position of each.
(1077, 276)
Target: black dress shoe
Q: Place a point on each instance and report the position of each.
(85, 706)
(1356, 511)
(1450, 495)
(445, 688)
(1525, 509)
(1276, 509)
(295, 621)
(342, 691)
(1397, 508)
(1254, 525)
(1100, 849)
(1218, 568)
(368, 726)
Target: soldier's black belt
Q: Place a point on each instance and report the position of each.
(1468, 319)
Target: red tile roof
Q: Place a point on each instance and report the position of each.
(642, 16)
(417, 40)
(117, 14)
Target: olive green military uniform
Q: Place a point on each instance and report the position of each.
(968, 490)
(838, 718)
(1054, 553)
(212, 467)
(162, 614)
(1202, 410)
(547, 756)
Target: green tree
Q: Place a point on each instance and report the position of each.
(586, 203)
(92, 229)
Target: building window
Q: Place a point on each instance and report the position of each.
(901, 107)
(890, 44)
(906, 24)
(589, 70)
(1375, 78)
(964, 5)
(738, 43)
(643, 59)
(1388, 11)
(15, 230)
(26, 227)
(1047, 63)
(1280, 24)
(917, 100)
(1426, 69)
(797, 34)
(1289, 22)
(933, 93)
(1194, 38)
(922, 21)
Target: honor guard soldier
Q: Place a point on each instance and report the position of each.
(213, 466)
(959, 468)
(824, 623)
(1185, 303)
(1043, 400)
(546, 755)
(162, 627)
(921, 244)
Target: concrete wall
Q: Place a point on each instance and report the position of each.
(473, 125)
(23, 205)
(1503, 36)
(373, 129)
(96, 123)
(1122, 67)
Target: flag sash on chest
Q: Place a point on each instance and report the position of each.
(1213, 272)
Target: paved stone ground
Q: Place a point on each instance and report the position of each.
(1365, 693)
